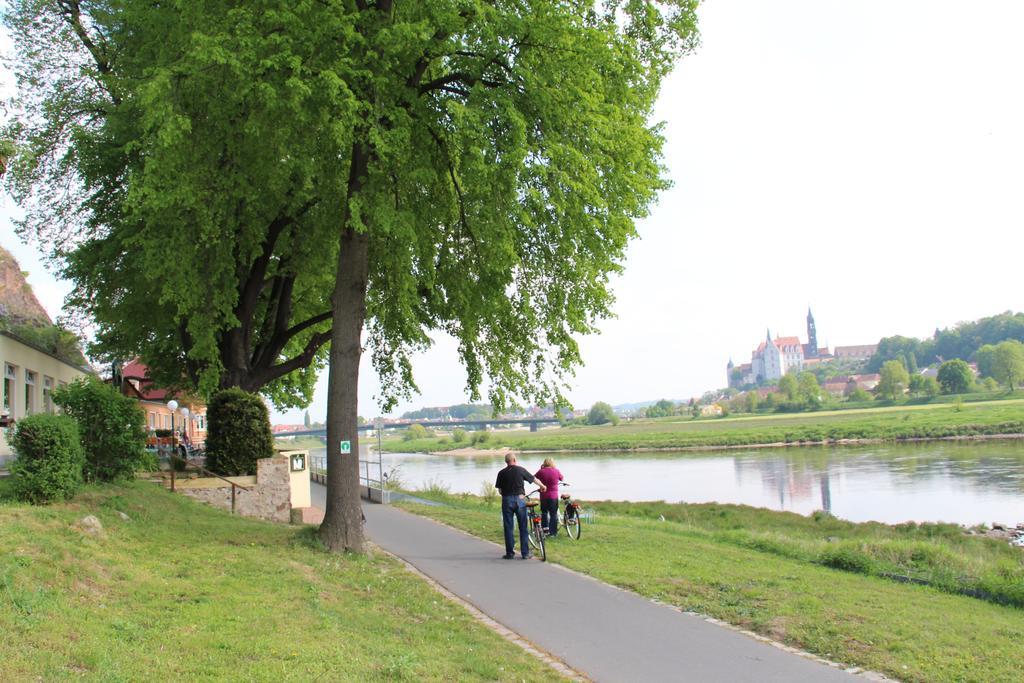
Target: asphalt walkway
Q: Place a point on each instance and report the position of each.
(603, 632)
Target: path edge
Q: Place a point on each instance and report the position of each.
(497, 627)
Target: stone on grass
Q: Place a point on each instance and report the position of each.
(123, 516)
(91, 525)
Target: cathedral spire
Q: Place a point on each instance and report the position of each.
(812, 335)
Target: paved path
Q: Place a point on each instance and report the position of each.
(603, 632)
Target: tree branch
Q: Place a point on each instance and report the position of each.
(467, 80)
(71, 11)
(299, 361)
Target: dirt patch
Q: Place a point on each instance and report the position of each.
(776, 629)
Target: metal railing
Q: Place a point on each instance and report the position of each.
(318, 473)
(173, 457)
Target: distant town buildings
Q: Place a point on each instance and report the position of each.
(773, 358)
(135, 383)
(861, 352)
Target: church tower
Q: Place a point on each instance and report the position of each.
(812, 335)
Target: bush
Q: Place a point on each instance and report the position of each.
(458, 435)
(111, 426)
(239, 433)
(848, 557)
(415, 431)
(601, 413)
(480, 438)
(49, 459)
(858, 395)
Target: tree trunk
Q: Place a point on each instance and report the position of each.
(342, 529)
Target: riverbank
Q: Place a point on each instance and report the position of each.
(848, 592)
(992, 419)
(180, 590)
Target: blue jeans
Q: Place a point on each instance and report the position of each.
(514, 507)
(549, 514)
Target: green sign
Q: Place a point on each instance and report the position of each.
(346, 447)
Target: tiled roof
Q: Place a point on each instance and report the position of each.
(137, 370)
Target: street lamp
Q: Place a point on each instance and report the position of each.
(184, 425)
(172, 405)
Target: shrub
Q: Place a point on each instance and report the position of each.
(49, 459)
(849, 558)
(458, 435)
(480, 437)
(239, 432)
(488, 494)
(415, 431)
(601, 413)
(111, 426)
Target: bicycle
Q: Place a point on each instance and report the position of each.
(569, 516)
(535, 531)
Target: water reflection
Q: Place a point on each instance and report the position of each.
(966, 483)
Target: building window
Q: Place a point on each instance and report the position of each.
(10, 377)
(48, 394)
(30, 391)
(152, 421)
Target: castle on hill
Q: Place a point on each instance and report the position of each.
(773, 358)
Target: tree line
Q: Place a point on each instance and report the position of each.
(963, 341)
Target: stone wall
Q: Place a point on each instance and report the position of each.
(269, 497)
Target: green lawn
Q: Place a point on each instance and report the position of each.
(186, 592)
(888, 423)
(764, 571)
(298, 443)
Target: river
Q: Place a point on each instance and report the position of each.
(961, 482)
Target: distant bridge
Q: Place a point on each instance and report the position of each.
(452, 424)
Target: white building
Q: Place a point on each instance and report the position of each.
(30, 375)
(773, 358)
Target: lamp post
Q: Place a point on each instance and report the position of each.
(172, 405)
(184, 425)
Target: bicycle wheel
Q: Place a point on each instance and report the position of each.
(571, 523)
(533, 535)
(537, 541)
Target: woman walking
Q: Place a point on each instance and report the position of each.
(550, 476)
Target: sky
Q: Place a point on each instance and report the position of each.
(864, 159)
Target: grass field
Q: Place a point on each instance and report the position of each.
(810, 582)
(887, 423)
(298, 443)
(185, 592)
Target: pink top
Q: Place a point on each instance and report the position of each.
(550, 476)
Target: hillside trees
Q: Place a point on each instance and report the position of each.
(245, 173)
(963, 340)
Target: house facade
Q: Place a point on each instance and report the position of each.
(136, 384)
(30, 376)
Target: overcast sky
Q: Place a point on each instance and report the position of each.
(865, 159)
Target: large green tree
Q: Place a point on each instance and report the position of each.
(955, 377)
(894, 379)
(165, 157)
(1008, 362)
(469, 166)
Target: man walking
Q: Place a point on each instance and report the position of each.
(513, 504)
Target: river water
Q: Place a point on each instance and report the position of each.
(961, 482)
